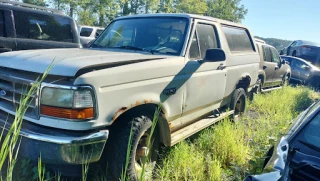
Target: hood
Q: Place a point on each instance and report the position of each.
(67, 62)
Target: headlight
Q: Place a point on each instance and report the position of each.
(75, 104)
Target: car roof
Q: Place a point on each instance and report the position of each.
(33, 10)
(259, 40)
(183, 15)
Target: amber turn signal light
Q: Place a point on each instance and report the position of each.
(84, 113)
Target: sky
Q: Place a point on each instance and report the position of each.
(284, 19)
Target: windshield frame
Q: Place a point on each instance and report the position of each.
(185, 36)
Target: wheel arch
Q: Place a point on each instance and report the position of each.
(124, 114)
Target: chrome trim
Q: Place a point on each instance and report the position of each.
(14, 80)
(62, 149)
(57, 86)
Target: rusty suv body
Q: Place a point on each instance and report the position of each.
(190, 65)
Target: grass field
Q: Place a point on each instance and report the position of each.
(226, 151)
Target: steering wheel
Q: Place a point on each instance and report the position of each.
(117, 33)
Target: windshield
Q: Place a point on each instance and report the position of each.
(311, 134)
(163, 35)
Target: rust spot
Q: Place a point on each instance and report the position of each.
(119, 112)
(145, 101)
(137, 103)
(170, 125)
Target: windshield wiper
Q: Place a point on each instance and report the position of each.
(134, 48)
(310, 145)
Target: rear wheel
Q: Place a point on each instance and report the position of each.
(238, 103)
(294, 54)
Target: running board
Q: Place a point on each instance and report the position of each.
(188, 131)
(270, 89)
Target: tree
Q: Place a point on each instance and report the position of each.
(226, 9)
(192, 6)
(35, 2)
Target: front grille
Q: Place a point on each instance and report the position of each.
(12, 90)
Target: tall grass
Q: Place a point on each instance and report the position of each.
(229, 151)
(11, 141)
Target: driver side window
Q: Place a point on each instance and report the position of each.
(275, 55)
(205, 38)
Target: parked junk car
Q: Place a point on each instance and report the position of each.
(274, 72)
(199, 69)
(297, 155)
(88, 33)
(24, 26)
(304, 49)
(303, 71)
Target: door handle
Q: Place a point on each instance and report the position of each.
(221, 67)
(2, 50)
(264, 67)
(276, 67)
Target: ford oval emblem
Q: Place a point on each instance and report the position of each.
(3, 93)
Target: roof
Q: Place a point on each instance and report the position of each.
(18, 6)
(259, 40)
(182, 15)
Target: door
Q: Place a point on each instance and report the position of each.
(279, 70)
(300, 68)
(6, 43)
(269, 67)
(206, 85)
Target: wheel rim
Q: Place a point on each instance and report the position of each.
(142, 152)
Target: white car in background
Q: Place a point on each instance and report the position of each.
(88, 33)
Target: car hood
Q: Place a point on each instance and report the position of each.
(67, 62)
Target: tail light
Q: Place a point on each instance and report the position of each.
(306, 47)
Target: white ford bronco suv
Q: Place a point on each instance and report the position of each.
(199, 69)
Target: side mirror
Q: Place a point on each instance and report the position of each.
(214, 55)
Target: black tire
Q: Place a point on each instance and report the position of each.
(294, 54)
(238, 103)
(250, 96)
(119, 144)
(314, 83)
(285, 81)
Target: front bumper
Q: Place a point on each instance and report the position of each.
(58, 147)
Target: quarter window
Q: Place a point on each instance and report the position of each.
(42, 27)
(194, 48)
(238, 39)
(2, 25)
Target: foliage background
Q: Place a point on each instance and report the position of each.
(100, 12)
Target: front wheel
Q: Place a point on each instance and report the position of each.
(238, 103)
(132, 155)
(285, 81)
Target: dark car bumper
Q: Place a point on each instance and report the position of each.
(56, 146)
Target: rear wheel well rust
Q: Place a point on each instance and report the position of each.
(124, 114)
(244, 83)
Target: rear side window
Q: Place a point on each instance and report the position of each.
(267, 54)
(2, 25)
(42, 27)
(238, 39)
(86, 32)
